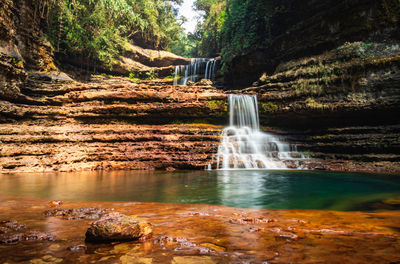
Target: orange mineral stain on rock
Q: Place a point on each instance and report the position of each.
(186, 233)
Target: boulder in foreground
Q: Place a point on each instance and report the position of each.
(118, 227)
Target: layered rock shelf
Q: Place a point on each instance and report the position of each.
(116, 123)
(109, 123)
(341, 106)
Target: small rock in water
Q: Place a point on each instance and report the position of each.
(204, 82)
(9, 235)
(214, 247)
(27, 236)
(77, 248)
(55, 203)
(37, 235)
(118, 227)
(190, 83)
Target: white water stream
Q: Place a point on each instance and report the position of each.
(199, 68)
(244, 146)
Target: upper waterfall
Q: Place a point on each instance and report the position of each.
(244, 146)
(199, 68)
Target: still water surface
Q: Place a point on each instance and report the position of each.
(246, 189)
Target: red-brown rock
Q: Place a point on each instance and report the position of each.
(118, 227)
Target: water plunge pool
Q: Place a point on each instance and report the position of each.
(277, 189)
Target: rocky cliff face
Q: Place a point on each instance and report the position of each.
(22, 46)
(305, 28)
(341, 106)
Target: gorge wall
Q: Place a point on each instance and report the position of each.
(329, 82)
(330, 78)
(299, 29)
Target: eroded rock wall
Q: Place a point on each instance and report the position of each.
(22, 46)
(110, 123)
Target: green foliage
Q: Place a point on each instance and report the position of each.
(218, 105)
(134, 77)
(269, 107)
(206, 40)
(17, 63)
(151, 75)
(210, 44)
(311, 103)
(246, 26)
(358, 49)
(232, 27)
(204, 5)
(98, 30)
(186, 45)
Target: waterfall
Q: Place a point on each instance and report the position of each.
(210, 69)
(244, 146)
(195, 71)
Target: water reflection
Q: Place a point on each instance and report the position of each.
(252, 189)
(110, 186)
(248, 189)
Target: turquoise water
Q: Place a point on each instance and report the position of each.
(246, 189)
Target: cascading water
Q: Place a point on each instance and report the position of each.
(210, 69)
(244, 146)
(195, 71)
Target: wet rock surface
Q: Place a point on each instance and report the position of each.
(11, 232)
(10, 225)
(184, 233)
(118, 227)
(55, 203)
